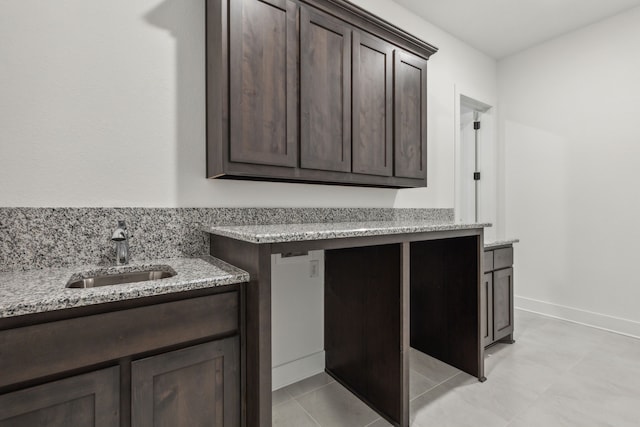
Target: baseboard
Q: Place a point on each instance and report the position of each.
(597, 320)
(296, 370)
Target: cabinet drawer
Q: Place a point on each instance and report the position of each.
(488, 261)
(502, 258)
(49, 348)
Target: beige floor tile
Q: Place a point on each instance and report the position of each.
(291, 414)
(380, 422)
(504, 395)
(431, 368)
(280, 396)
(418, 384)
(308, 384)
(334, 406)
(443, 408)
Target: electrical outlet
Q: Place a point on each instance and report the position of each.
(314, 268)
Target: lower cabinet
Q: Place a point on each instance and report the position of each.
(195, 386)
(146, 385)
(497, 296)
(87, 400)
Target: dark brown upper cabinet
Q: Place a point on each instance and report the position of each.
(410, 116)
(264, 82)
(372, 106)
(325, 93)
(314, 91)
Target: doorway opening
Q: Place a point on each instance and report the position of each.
(475, 162)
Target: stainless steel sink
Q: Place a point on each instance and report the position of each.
(120, 278)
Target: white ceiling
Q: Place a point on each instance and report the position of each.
(503, 27)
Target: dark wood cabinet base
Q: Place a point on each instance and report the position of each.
(368, 285)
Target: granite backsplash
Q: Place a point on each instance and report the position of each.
(32, 238)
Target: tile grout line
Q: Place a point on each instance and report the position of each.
(312, 390)
(437, 385)
(306, 412)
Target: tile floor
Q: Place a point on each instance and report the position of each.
(556, 374)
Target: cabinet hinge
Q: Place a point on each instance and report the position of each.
(476, 176)
(476, 125)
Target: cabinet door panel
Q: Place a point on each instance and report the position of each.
(263, 82)
(410, 103)
(372, 106)
(89, 400)
(486, 322)
(502, 303)
(195, 386)
(325, 93)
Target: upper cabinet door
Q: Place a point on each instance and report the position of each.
(410, 116)
(325, 69)
(372, 106)
(263, 82)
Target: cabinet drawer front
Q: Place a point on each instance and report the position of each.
(502, 258)
(488, 261)
(35, 351)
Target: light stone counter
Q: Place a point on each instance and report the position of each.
(37, 291)
(279, 233)
(497, 243)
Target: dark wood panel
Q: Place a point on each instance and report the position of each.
(256, 336)
(486, 323)
(85, 400)
(372, 118)
(50, 348)
(254, 172)
(445, 302)
(363, 19)
(364, 342)
(410, 114)
(502, 303)
(217, 64)
(488, 261)
(325, 67)
(263, 82)
(503, 258)
(195, 386)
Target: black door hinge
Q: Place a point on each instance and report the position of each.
(476, 176)
(476, 125)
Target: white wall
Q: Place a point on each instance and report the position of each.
(102, 103)
(571, 151)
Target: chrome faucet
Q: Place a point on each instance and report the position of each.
(121, 237)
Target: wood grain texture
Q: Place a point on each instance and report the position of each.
(256, 345)
(194, 386)
(502, 303)
(486, 309)
(372, 117)
(325, 92)
(263, 82)
(364, 318)
(45, 349)
(445, 302)
(88, 400)
(410, 116)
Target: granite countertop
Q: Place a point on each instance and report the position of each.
(279, 233)
(37, 291)
(496, 243)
